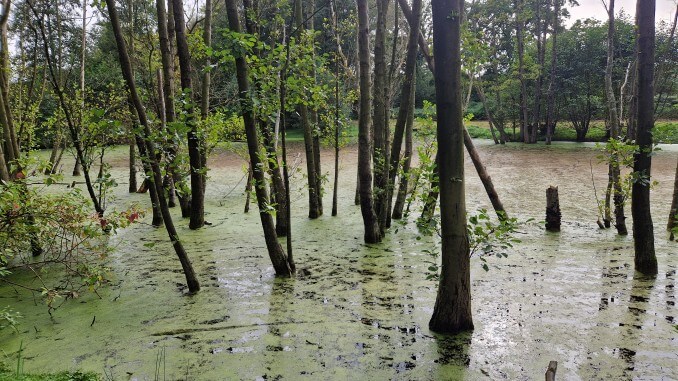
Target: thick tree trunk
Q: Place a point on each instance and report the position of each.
(452, 312)
(405, 109)
(643, 234)
(372, 231)
(194, 142)
(553, 214)
(283, 265)
(191, 279)
(337, 104)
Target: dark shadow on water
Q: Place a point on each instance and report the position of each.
(453, 349)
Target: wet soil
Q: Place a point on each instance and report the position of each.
(361, 311)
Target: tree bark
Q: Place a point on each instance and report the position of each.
(282, 263)
(643, 234)
(405, 109)
(550, 97)
(673, 213)
(484, 176)
(452, 312)
(191, 279)
(380, 118)
(553, 215)
(197, 219)
(615, 130)
(520, 36)
(372, 231)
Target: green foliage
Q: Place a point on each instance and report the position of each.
(8, 317)
(665, 132)
(41, 231)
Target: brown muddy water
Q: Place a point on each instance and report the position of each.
(360, 311)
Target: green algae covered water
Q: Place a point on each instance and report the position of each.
(359, 311)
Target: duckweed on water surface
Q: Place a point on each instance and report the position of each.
(359, 311)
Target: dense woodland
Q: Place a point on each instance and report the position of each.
(174, 80)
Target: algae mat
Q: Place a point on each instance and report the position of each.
(359, 311)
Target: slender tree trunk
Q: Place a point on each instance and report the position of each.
(191, 279)
(503, 137)
(315, 125)
(407, 162)
(267, 133)
(380, 121)
(132, 188)
(405, 110)
(12, 145)
(281, 262)
(673, 213)
(372, 231)
(520, 36)
(313, 191)
(70, 122)
(484, 177)
(337, 105)
(615, 129)
(194, 141)
(550, 97)
(452, 312)
(643, 234)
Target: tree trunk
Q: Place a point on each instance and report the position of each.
(452, 311)
(553, 215)
(315, 125)
(643, 234)
(484, 177)
(70, 122)
(337, 104)
(272, 164)
(283, 265)
(313, 191)
(372, 230)
(550, 97)
(520, 36)
(615, 129)
(673, 213)
(191, 279)
(405, 173)
(405, 109)
(503, 137)
(194, 140)
(380, 115)
(12, 149)
(132, 188)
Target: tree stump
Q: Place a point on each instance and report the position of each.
(551, 371)
(552, 209)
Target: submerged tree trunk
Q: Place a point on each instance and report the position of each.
(673, 213)
(191, 279)
(372, 231)
(313, 191)
(643, 234)
(194, 140)
(484, 177)
(380, 122)
(615, 131)
(452, 312)
(282, 263)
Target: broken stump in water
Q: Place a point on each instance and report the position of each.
(551, 370)
(552, 209)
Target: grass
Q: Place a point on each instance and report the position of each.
(664, 132)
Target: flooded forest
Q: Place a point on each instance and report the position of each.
(332, 190)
